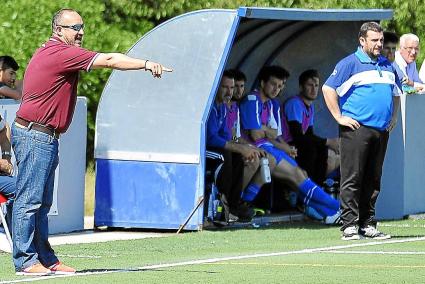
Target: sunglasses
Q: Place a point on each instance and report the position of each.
(76, 27)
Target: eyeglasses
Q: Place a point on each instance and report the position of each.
(76, 27)
(410, 49)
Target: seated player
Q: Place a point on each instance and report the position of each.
(9, 86)
(259, 125)
(7, 181)
(240, 171)
(318, 156)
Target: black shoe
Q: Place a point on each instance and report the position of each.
(245, 212)
(226, 210)
(371, 232)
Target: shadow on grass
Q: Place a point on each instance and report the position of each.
(313, 225)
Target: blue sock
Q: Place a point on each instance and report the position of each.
(335, 175)
(322, 209)
(250, 192)
(313, 192)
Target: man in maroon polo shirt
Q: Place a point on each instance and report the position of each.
(48, 103)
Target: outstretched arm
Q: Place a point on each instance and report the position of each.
(121, 61)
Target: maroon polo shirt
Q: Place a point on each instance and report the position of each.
(49, 94)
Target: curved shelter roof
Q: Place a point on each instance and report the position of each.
(145, 119)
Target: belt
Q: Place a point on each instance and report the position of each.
(38, 127)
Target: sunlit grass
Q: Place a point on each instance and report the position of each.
(289, 261)
(89, 192)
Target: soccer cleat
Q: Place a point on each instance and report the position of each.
(334, 219)
(231, 218)
(62, 269)
(259, 211)
(34, 270)
(373, 233)
(350, 233)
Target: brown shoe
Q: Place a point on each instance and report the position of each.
(60, 268)
(35, 270)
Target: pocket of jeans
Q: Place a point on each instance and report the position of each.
(42, 137)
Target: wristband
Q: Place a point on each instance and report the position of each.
(146, 62)
(6, 153)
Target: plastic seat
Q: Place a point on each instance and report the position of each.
(3, 200)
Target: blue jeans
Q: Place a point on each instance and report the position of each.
(37, 158)
(8, 188)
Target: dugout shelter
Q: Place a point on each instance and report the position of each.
(150, 134)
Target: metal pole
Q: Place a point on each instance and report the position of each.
(201, 200)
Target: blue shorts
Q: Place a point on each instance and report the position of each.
(278, 154)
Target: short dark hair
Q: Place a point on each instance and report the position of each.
(58, 15)
(369, 26)
(239, 75)
(272, 71)
(308, 74)
(229, 74)
(390, 37)
(7, 61)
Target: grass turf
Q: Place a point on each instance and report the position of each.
(317, 267)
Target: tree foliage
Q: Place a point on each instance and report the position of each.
(115, 25)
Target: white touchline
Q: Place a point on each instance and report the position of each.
(374, 252)
(401, 226)
(219, 259)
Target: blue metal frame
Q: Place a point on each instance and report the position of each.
(315, 15)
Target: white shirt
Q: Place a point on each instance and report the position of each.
(409, 70)
(422, 72)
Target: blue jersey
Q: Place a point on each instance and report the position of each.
(254, 113)
(365, 88)
(217, 132)
(297, 110)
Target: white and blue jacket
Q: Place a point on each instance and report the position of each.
(365, 88)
